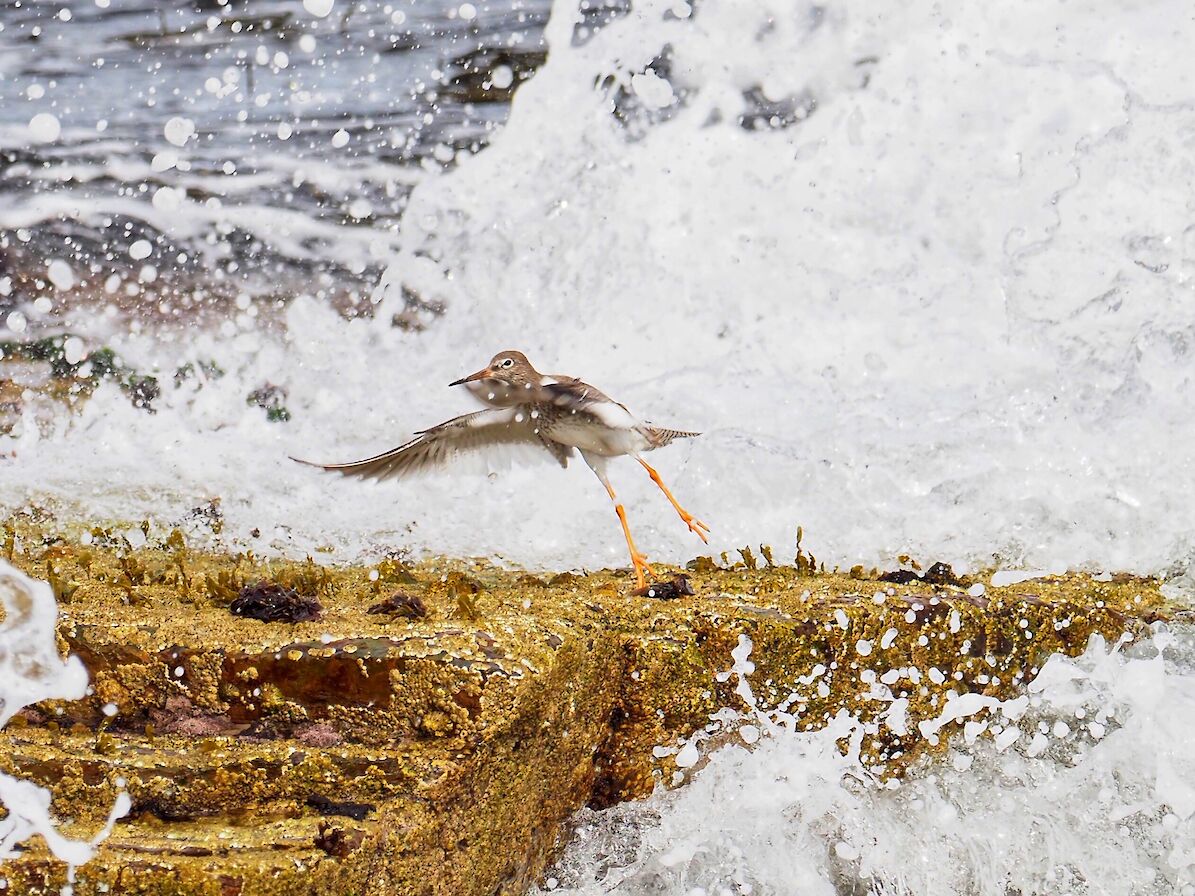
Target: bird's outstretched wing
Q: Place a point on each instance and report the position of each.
(492, 432)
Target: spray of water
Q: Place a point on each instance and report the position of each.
(31, 671)
(1095, 796)
(920, 275)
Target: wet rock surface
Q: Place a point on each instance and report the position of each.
(492, 75)
(440, 751)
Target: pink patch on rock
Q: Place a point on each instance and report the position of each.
(177, 705)
(199, 726)
(33, 716)
(318, 734)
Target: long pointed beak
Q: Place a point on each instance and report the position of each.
(471, 378)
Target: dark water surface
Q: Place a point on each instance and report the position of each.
(218, 153)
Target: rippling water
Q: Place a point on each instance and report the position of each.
(259, 149)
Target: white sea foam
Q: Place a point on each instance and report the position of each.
(1091, 790)
(948, 313)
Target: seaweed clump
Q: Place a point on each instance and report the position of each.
(271, 399)
(325, 806)
(337, 842)
(677, 586)
(408, 606)
(274, 603)
(938, 574)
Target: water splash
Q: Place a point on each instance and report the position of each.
(921, 275)
(1095, 796)
(31, 671)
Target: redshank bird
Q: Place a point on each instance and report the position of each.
(528, 408)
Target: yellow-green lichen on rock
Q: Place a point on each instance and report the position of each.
(437, 744)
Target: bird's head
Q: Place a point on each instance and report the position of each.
(508, 369)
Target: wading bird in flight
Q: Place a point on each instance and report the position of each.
(528, 408)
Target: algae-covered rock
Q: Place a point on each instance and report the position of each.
(434, 739)
(64, 370)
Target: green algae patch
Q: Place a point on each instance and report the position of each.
(47, 368)
(433, 726)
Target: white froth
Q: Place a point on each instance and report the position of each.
(944, 313)
(1035, 808)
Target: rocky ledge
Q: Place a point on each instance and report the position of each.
(430, 728)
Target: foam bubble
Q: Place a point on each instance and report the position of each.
(502, 77)
(654, 91)
(44, 128)
(319, 8)
(72, 350)
(61, 274)
(167, 199)
(179, 130)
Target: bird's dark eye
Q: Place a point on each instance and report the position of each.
(509, 362)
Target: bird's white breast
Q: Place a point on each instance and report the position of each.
(598, 439)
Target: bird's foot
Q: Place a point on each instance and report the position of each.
(642, 570)
(696, 526)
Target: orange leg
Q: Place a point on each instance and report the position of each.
(639, 561)
(695, 525)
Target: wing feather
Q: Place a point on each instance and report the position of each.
(482, 432)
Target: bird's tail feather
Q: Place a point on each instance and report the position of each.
(660, 436)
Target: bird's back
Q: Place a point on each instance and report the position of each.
(577, 414)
